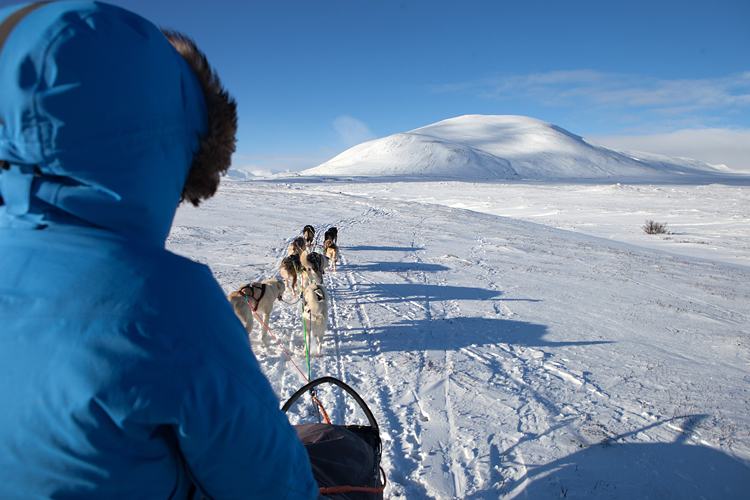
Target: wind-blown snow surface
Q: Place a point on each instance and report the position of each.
(505, 358)
(479, 147)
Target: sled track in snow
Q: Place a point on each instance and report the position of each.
(456, 329)
(416, 408)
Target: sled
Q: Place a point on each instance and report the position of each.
(345, 459)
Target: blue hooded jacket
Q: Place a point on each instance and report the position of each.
(124, 373)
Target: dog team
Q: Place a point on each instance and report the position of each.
(302, 264)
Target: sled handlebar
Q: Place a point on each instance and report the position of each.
(339, 383)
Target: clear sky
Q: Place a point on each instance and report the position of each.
(315, 77)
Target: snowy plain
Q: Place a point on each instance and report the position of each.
(514, 338)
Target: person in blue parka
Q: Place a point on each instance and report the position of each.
(124, 373)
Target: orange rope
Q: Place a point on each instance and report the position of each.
(322, 410)
(345, 489)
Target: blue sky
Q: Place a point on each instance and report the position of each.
(314, 77)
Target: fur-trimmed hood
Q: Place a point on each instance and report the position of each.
(104, 122)
(215, 155)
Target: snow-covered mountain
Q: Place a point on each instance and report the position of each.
(479, 147)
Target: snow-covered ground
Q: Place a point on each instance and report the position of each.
(505, 358)
(515, 339)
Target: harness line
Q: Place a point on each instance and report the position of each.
(290, 303)
(304, 271)
(277, 340)
(322, 410)
(312, 391)
(308, 344)
(307, 347)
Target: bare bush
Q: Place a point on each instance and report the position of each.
(651, 227)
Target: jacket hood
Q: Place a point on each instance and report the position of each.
(101, 119)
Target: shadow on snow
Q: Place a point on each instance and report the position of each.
(455, 333)
(397, 267)
(613, 469)
(383, 249)
(404, 292)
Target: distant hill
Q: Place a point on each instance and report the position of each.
(479, 147)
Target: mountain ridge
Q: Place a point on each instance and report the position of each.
(499, 147)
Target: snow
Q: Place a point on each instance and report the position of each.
(514, 339)
(478, 147)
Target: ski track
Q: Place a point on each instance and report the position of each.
(473, 391)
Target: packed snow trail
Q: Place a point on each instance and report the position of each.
(500, 357)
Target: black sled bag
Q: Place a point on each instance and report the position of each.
(345, 459)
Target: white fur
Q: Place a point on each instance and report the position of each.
(274, 291)
(243, 310)
(315, 313)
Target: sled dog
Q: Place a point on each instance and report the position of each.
(331, 235)
(315, 312)
(314, 264)
(242, 310)
(259, 296)
(290, 266)
(332, 253)
(309, 234)
(298, 246)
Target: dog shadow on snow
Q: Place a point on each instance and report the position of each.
(400, 332)
(455, 333)
(397, 267)
(381, 249)
(407, 292)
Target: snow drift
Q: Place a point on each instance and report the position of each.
(479, 147)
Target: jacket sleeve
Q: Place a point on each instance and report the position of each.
(235, 440)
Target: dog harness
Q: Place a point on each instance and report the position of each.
(253, 287)
(319, 293)
(294, 259)
(316, 262)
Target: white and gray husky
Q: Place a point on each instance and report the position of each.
(315, 312)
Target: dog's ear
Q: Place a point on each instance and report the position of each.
(215, 154)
